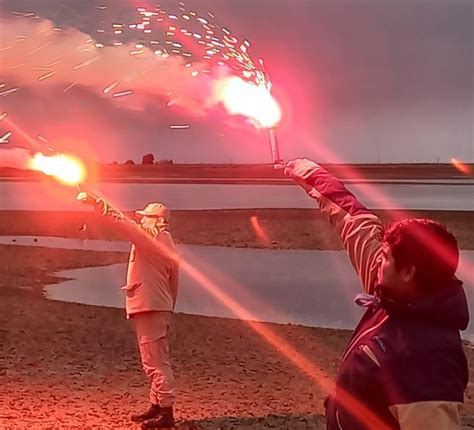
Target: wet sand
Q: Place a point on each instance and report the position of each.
(247, 228)
(69, 366)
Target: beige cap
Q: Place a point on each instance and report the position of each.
(156, 210)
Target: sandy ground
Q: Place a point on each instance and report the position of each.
(254, 228)
(67, 366)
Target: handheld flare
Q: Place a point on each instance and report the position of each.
(278, 163)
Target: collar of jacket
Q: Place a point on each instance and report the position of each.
(446, 307)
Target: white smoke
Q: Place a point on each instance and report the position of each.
(35, 53)
(16, 158)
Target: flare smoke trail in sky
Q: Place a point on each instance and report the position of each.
(399, 89)
(16, 158)
(182, 66)
(185, 58)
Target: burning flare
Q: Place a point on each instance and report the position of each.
(253, 101)
(66, 168)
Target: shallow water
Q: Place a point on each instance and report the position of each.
(53, 196)
(313, 288)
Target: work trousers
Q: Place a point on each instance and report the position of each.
(152, 335)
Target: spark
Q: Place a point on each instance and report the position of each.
(70, 86)
(41, 47)
(122, 93)
(55, 61)
(10, 91)
(179, 126)
(46, 76)
(110, 87)
(86, 63)
(4, 138)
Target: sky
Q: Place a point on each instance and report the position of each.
(358, 81)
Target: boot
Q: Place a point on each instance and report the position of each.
(153, 412)
(166, 420)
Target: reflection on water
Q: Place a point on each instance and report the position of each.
(313, 288)
(54, 196)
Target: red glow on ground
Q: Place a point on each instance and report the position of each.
(356, 408)
(260, 233)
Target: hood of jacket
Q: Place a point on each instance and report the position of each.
(446, 307)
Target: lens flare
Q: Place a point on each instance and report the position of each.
(244, 98)
(462, 167)
(65, 168)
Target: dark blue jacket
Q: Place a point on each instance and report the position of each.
(404, 367)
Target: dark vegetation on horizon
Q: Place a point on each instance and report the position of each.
(261, 171)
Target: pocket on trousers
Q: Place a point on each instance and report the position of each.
(131, 287)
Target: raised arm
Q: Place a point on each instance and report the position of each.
(130, 229)
(359, 229)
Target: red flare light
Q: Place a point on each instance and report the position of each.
(253, 101)
(65, 168)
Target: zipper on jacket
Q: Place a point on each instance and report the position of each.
(338, 420)
(361, 335)
(369, 353)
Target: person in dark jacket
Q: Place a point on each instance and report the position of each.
(404, 367)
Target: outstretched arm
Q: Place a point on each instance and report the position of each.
(359, 229)
(130, 229)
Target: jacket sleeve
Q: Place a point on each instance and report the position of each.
(424, 386)
(174, 260)
(360, 230)
(174, 281)
(434, 415)
(131, 230)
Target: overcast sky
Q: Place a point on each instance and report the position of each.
(358, 81)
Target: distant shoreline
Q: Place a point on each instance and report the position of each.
(255, 172)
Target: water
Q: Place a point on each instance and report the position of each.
(312, 288)
(49, 195)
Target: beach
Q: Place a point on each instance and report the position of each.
(71, 366)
